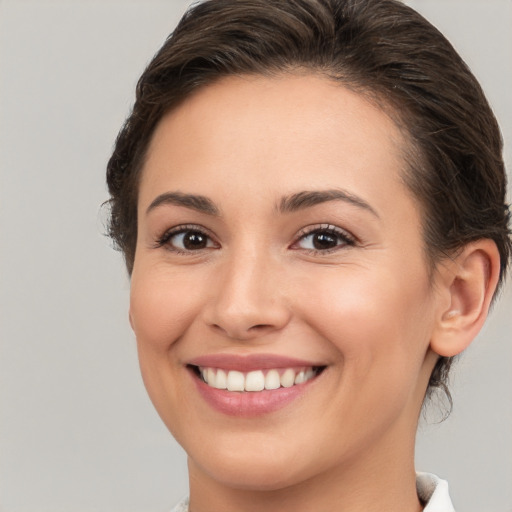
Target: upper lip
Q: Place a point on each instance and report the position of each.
(247, 363)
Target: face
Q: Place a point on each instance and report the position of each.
(280, 295)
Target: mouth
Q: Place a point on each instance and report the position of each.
(267, 379)
(252, 385)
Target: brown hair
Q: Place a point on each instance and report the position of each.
(381, 48)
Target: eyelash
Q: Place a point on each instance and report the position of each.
(165, 239)
(347, 240)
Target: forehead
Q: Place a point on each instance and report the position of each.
(284, 132)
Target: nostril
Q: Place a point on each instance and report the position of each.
(241, 332)
(259, 327)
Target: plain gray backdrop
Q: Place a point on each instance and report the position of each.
(77, 431)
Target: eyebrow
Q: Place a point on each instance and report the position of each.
(288, 204)
(307, 199)
(194, 202)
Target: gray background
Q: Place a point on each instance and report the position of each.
(77, 432)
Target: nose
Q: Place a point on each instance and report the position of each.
(249, 300)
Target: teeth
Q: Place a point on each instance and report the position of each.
(236, 381)
(309, 374)
(288, 378)
(210, 376)
(272, 380)
(257, 380)
(221, 380)
(300, 377)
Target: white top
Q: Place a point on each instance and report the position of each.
(431, 490)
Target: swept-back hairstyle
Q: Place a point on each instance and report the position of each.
(381, 48)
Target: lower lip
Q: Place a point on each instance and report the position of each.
(250, 403)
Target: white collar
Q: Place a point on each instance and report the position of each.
(434, 493)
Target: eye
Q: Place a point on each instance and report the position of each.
(325, 238)
(185, 239)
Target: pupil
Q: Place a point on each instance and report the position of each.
(194, 240)
(324, 241)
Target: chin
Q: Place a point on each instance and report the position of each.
(253, 461)
(246, 474)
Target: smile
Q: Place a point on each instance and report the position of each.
(256, 380)
(252, 385)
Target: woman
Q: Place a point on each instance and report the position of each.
(310, 198)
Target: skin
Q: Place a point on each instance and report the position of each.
(367, 309)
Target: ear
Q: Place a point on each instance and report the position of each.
(466, 285)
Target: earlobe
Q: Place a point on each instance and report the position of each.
(468, 282)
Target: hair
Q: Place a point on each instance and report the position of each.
(380, 48)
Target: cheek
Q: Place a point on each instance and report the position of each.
(379, 322)
(161, 309)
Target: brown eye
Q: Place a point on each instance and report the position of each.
(322, 241)
(193, 240)
(325, 239)
(183, 240)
